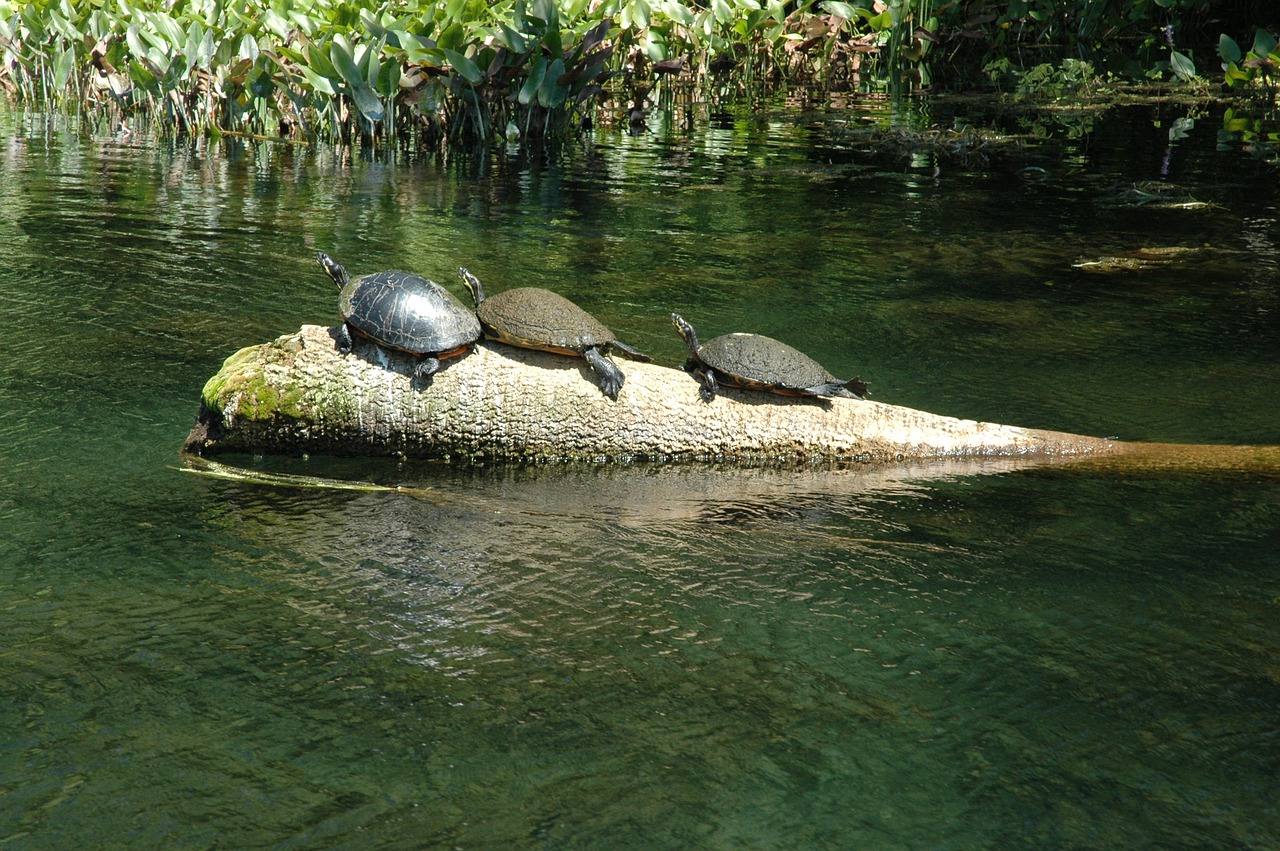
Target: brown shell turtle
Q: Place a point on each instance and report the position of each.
(534, 318)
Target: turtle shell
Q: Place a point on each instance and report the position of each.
(540, 319)
(405, 311)
(763, 363)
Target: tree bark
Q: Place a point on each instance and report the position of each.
(298, 394)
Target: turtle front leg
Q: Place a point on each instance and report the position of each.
(426, 367)
(608, 376)
(344, 339)
(709, 385)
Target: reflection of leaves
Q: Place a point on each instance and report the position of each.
(1180, 129)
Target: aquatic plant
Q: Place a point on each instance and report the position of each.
(1252, 122)
(379, 71)
(346, 68)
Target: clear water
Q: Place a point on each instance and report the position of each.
(951, 656)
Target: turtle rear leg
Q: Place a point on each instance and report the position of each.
(426, 367)
(634, 354)
(608, 376)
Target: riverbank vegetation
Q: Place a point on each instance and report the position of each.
(464, 70)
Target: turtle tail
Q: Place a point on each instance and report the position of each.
(853, 388)
(633, 354)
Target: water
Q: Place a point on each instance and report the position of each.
(939, 656)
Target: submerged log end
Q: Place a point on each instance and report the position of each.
(298, 394)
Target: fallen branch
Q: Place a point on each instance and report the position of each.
(298, 394)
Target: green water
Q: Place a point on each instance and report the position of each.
(947, 656)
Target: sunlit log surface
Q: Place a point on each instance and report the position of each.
(298, 394)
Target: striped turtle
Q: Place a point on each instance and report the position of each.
(402, 311)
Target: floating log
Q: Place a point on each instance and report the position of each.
(297, 394)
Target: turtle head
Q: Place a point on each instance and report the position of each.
(332, 268)
(686, 332)
(473, 285)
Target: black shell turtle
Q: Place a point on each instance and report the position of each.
(759, 363)
(534, 318)
(404, 311)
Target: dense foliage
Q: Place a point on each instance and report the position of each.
(467, 69)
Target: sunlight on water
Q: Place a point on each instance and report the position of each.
(949, 655)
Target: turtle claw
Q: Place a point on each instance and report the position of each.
(344, 339)
(709, 386)
(608, 376)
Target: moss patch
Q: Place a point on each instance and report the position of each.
(241, 388)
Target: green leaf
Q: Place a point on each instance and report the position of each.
(34, 23)
(318, 83)
(552, 92)
(418, 52)
(510, 39)
(843, 10)
(374, 67)
(641, 13)
(343, 61)
(1263, 43)
(881, 22)
(1228, 49)
(464, 66)
(1182, 65)
(545, 11)
(166, 27)
(133, 38)
(679, 13)
(248, 48)
(388, 82)
(452, 37)
(63, 64)
(276, 24)
(534, 82)
(260, 83)
(142, 77)
(320, 63)
(369, 104)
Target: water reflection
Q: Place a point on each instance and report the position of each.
(488, 554)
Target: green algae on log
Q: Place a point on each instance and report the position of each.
(298, 394)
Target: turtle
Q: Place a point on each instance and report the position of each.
(534, 318)
(402, 311)
(757, 362)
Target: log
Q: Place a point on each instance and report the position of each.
(297, 394)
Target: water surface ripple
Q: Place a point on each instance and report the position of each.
(951, 655)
